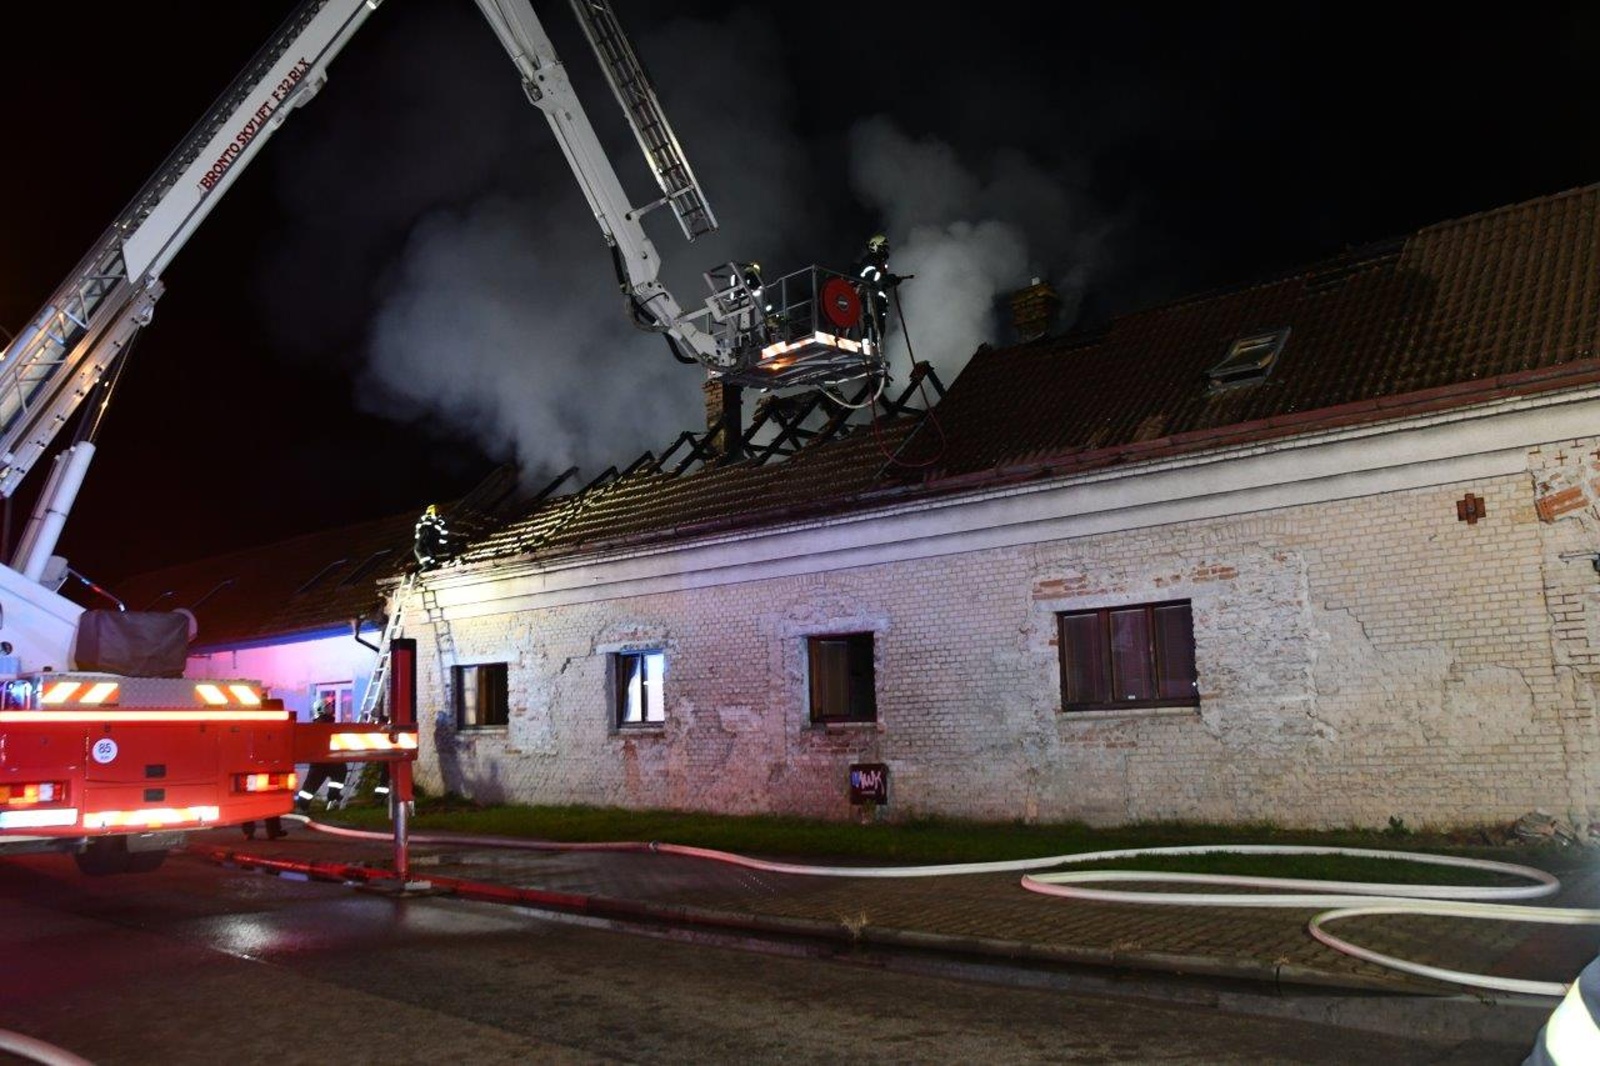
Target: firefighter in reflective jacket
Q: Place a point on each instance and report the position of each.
(872, 270)
(331, 772)
(432, 538)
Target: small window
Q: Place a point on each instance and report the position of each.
(481, 701)
(320, 576)
(1136, 656)
(843, 688)
(638, 676)
(1249, 360)
(365, 569)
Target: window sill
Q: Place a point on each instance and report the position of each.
(654, 729)
(482, 730)
(1187, 710)
(847, 727)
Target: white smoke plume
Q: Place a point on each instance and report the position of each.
(504, 319)
(498, 313)
(968, 237)
(504, 316)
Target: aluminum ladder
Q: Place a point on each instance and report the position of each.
(378, 683)
(637, 95)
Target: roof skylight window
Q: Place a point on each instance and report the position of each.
(1250, 359)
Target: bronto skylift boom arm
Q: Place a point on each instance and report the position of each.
(56, 362)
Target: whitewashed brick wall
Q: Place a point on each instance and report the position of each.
(1357, 660)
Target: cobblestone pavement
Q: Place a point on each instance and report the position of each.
(991, 914)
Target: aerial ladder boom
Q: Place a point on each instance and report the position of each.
(809, 327)
(64, 354)
(53, 364)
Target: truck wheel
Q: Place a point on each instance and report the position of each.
(111, 856)
(144, 862)
(103, 857)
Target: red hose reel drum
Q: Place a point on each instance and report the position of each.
(840, 303)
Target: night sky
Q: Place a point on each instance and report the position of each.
(406, 288)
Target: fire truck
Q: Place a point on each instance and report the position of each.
(106, 751)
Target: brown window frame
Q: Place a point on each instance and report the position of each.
(860, 651)
(497, 716)
(1153, 663)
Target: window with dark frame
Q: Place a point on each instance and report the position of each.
(843, 688)
(481, 696)
(1140, 655)
(639, 684)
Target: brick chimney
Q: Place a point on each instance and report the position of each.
(724, 420)
(1033, 310)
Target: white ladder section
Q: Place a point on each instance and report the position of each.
(637, 96)
(378, 683)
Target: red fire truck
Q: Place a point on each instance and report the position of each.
(116, 769)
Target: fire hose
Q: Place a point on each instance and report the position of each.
(1345, 899)
(35, 1050)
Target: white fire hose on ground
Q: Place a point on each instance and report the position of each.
(38, 1051)
(1348, 899)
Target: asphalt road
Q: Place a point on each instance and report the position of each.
(203, 964)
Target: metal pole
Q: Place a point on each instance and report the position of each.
(402, 855)
(402, 713)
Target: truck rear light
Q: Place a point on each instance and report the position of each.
(34, 805)
(272, 782)
(26, 795)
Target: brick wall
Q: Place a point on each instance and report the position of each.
(1357, 660)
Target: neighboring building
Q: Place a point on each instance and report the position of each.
(304, 616)
(1315, 550)
(286, 614)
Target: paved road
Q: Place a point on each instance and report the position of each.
(202, 964)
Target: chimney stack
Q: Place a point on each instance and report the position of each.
(1033, 310)
(724, 420)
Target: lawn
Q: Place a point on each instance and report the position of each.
(939, 840)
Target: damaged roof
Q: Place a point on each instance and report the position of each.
(1505, 302)
(653, 506)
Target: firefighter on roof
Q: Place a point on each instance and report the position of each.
(432, 538)
(872, 269)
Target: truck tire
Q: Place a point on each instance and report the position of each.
(110, 855)
(144, 862)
